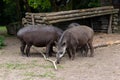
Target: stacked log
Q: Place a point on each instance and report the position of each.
(55, 17)
(115, 22)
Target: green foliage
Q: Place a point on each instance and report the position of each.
(10, 11)
(81, 4)
(2, 42)
(42, 5)
(3, 28)
(94, 3)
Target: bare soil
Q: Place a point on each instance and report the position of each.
(105, 65)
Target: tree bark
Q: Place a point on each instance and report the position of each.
(28, 9)
(18, 10)
(54, 7)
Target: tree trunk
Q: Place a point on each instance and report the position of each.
(54, 7)
(1, 12)
(28, 9)
(19, 16)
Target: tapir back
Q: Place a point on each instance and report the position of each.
(81, 33)
(39, 35)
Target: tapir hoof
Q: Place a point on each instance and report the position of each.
(91, 55)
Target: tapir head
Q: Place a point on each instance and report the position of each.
(61, 46)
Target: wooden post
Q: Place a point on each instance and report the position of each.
(110, 25)
(33, 20)
(91, 21)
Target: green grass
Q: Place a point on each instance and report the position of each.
(3, 32)
(2, 39)
(47, 74)
(17, 66)
(21, 66)
(3, 28)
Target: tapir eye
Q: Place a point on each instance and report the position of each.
(63, 44)
(60, 52)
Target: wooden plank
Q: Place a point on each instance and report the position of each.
(77, 15)
(33, 21)
(35, 16)
(62, 16)
(81, 17)
(81, 10)
(71, 11)
(110, 25)
(40, 14)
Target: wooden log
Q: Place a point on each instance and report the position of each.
(76, 15)
(110, 25)
(107, 44)
(50, 60)
(35, 16)
(33, 20)
(61, 16)
(29, 23)
(38, 23)
(36, 20)
(71, 11)
(81, 10)
(80, 14)
(39, 14)
(81, 17)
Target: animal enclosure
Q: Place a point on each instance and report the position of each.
(72, 15)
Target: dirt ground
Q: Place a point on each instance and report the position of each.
(105, 65)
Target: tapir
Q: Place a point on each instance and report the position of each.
(39, 36)
(84, 49)
(73, 38)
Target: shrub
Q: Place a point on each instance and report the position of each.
(2, 42)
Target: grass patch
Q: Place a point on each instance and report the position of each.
(2, 44)
(3, 28)
(47, 74)
(60, 66)
(21, 66)
(28, 78)
(3, 31)
(47, 66)
(16, 66)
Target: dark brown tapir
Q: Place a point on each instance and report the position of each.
(39, 36)
(74, 38)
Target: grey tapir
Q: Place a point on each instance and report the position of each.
(73, 25)
(84, 49)
(39, 36)
(74, 38)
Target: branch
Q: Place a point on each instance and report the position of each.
(47, 59)
(107, 44)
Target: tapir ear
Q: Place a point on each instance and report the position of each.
(63, 44)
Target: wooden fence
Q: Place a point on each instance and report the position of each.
(62, 16)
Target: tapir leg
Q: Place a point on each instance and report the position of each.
(28, 50)
(51, 50)
(22, 48)
(91, 49)
(48, 51)
(68, 52)
(73, 53)
(85, 50)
